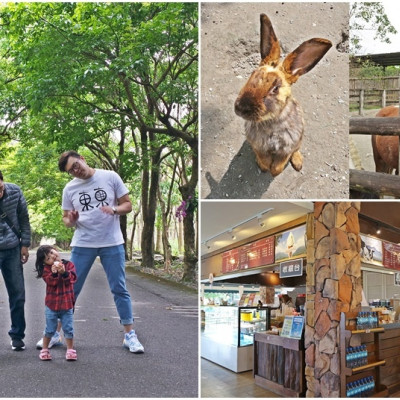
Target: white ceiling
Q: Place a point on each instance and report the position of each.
(217, 217)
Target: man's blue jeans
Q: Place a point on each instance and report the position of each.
(113, 261)
(13, 275)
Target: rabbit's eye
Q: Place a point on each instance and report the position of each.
(275, 89)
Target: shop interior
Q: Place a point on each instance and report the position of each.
(231, 309)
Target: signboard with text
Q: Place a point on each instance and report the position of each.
(251, 255)
(230, 261)
(391, 255)
(287, 269)
(293, 327)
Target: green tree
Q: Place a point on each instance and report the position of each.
(369, 16)
(118, 79)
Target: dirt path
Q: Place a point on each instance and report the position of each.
(229, 53)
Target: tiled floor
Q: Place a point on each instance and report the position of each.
(217, 381)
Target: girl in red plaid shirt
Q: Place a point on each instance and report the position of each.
(60, 276)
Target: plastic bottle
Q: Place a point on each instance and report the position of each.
(358, 389)
(357, 358)
(359, 321)
(348, 357)
(371, 321)
(365, 355)
(351, 357)
(350, 391)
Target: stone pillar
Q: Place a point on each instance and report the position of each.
(333, 286)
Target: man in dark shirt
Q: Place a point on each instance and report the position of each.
(15, 239)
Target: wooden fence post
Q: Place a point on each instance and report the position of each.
(383, 98)
(360, 111)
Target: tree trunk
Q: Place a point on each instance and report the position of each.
(150, 180)
(164, 234)
(158, 240)
(190, 254)
(179, 231)
(122, 223)
(134, 225)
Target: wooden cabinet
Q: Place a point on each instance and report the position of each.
(348, 331)
(279, 364)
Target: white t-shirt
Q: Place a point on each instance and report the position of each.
(95, 228)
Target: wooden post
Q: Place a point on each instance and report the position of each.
(361, 102)
(398, 88)
(383, 98)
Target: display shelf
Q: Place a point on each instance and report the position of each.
(372, 368)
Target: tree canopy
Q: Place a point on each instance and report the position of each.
(116, 81)
(369, 16)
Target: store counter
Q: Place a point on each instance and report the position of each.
(279, 364)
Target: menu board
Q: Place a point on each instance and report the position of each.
(391, 255)
(251, 255)
(230, 261)
(257, 254)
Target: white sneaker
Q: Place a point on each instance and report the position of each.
(56, 340)
(132, 342)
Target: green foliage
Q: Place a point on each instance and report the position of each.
(91, 77)
(369, 16)
(35, 171)
(368, 69)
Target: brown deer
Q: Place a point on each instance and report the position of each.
(386, 148)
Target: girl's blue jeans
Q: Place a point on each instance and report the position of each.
(113, 261)
(67, 322)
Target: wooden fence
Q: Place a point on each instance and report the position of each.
(374, 182)
(381, 82)
(373, 98)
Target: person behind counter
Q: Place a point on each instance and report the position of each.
(286, 300)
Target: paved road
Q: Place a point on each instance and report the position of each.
(166, 323)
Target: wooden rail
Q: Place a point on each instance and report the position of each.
(374, 182)
(374, 126)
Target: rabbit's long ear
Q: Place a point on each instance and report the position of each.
(269, 46)
(305, 58)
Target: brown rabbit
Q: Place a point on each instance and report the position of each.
(274, 121)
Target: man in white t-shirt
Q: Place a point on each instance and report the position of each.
(92, 203)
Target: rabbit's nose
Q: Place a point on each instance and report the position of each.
(245, 106)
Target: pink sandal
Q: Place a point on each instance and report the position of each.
(71, 355)
(45, 355)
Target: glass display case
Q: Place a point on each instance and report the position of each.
(227, 334)
(235, 325)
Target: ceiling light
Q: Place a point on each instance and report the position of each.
(230, 232)
(260, 221)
